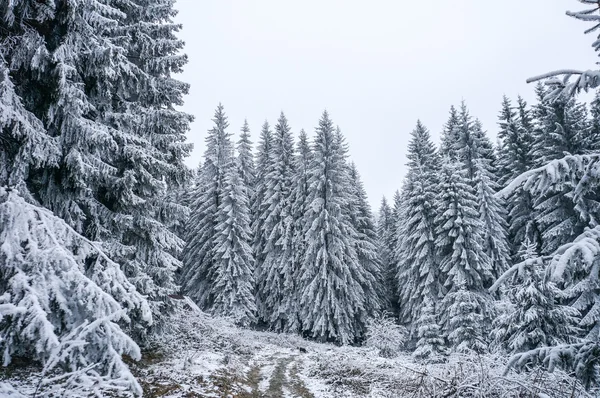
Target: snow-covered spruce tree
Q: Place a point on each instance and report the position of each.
(515, 158)
(199, 273)
(573, 267)
(417, 261)
(561, 128)
(492, 212)
(75, 68)
(331, 281)
(466, 308)
(300, 204)
(431, 346)
(150, 163)
(257, 205)
(245, 160)
(471, 143)
(367, 248)
(516, 140)
(450, 135)
(233, 260)
(538, 320)
(274, 275)
(61, 299)
(385, 233)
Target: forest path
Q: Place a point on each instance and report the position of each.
(278, 377)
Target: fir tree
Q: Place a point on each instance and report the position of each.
(385, 233)
(234, 283)
(492, 213)
(258, 207)
(538, 320)
(199, 272)
(418, 266)
(464, 264)
(245, 160)
(276, 269)
(431, 346)
(450, 135)
(61, 300)
(300, 190)
(366, 242)
(332, 281)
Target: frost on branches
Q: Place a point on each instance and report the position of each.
(61, 302)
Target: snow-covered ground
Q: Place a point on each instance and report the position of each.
(210, 357)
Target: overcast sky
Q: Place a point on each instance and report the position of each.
(377, 66)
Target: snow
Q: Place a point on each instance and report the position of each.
(207, 356)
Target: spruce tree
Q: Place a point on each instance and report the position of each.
(258, 201)
(332, 282)
(234, 280)
(62, 301)
(199, 272)
(300, 189)
(464, 264)
(385, 233)
(245, 160)
(366, 242)
(492, 212)
(538, 319)
(450, 135)
(276, 269)
(431, 346)
(418, 266)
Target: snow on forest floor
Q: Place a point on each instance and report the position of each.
(209, 357)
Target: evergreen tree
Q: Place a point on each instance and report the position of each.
(276, 269)
(199, 271)
(538, 320)
(385, 233)
(245, 160)
(300, 190)
(465, 266)
(450, 135)
(492, 213)
(561, 128)
(516, 140)
(258, 202)
(418, 266)
(366, 242)
(332, 282)
(431, 346)
(234, 282)
(61, 301)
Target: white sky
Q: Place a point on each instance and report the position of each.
(376, 66)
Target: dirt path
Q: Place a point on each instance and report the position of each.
(285, 381)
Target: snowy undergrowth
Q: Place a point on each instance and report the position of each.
(210, 357)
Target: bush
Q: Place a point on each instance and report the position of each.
(384, 334)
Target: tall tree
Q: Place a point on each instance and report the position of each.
(464, 264)
(199, 273)
(234, 280)
(300, 203)
(245, 160)
(418, 265)
(332, 281)
(276, 268)
(258, 202)
(366, 242)
(385, 233)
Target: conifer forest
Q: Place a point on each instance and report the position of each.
(264, 271)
